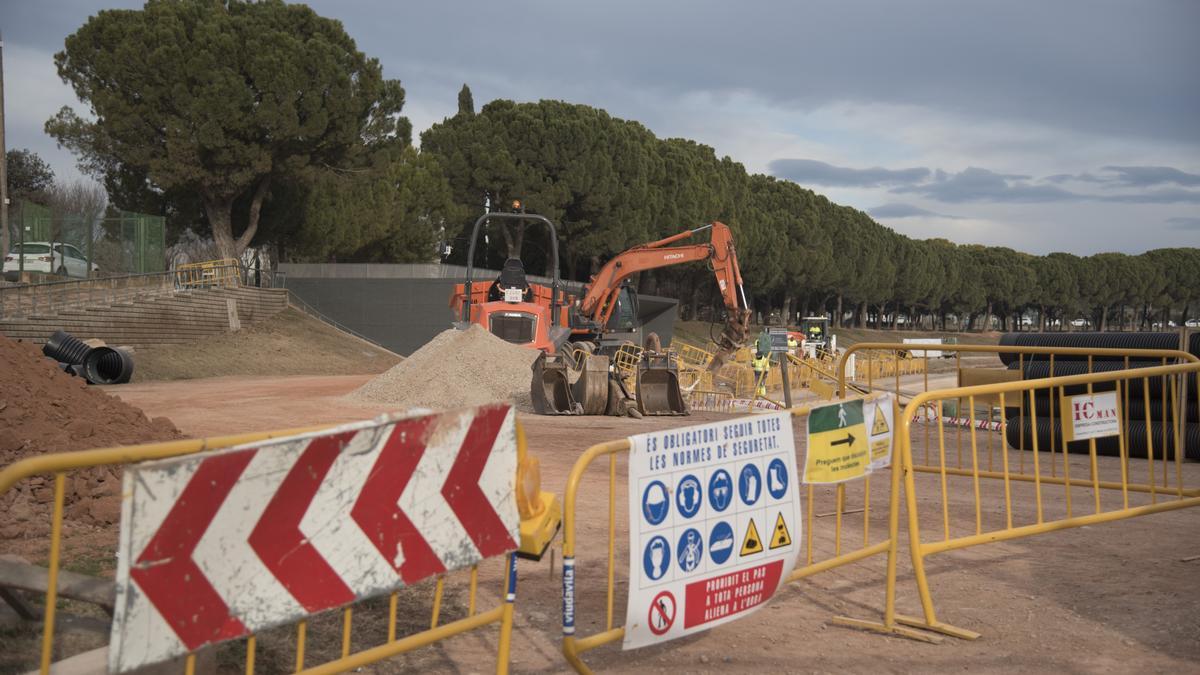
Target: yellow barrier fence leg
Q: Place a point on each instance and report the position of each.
(930, 621)
(889, 624)
(506, 621)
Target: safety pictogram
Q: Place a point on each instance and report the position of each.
(751, 543)
(880, 425)
(720, 490)
(777, 478)
(720, 542)
(224, 544)
(781, 537)
(656, 558)
(662, 613)
(691, 549)
(689, 496)
(655, 503)
(750, 484)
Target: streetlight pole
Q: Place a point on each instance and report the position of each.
(4, 234)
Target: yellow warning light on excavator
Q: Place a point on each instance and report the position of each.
(516, 205)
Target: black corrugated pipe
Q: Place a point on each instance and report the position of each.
(1137, 405)
(1130, 341)
(66, 348)
(105, 365)
(1135, 439)
(1035, 371)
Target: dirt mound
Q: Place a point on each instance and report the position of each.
(44, 410)
(455, 369)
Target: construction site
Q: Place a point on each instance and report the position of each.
(1059, 546)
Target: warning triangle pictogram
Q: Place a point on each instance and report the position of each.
(880, 426)
(781, 537)
(752, 543)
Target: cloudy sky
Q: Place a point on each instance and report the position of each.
(1064, 126)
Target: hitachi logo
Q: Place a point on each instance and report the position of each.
(672, 256)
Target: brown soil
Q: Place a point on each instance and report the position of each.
(290, 343)
(43, 410)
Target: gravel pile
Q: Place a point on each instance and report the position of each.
(453, 370)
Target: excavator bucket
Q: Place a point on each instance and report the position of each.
(550, 387)
(591, 388)
(658, 391)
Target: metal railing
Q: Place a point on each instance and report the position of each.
(1011, 497)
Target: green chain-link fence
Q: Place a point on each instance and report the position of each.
(128, 243)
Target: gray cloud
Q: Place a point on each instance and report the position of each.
(1143, 176)
(1183, 223)
(812, 172)
(895, 210)
(1108, 67)
(974, 184)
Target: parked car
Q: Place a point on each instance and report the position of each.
(66, 260)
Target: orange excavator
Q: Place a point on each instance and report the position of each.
(578, 335)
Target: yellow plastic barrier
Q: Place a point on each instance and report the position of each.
(60, 465)
(1110, 486)
(835, 547)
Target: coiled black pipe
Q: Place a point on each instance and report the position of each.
(1129, 341)
(1135, 385)
(1135, 438)
(66, 348)
(1136, 405)
(105, 365)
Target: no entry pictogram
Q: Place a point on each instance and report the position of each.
(662, 613)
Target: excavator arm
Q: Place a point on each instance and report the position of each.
(599, 300)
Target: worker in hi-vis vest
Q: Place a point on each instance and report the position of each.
(762, 365)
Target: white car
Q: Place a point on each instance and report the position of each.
(66, 260)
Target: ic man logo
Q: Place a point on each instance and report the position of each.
(1087, 410)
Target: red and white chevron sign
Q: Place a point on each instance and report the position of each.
(219, 545)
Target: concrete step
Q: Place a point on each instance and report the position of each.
(178, 318)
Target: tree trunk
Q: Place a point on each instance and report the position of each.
(220, 216)
(862, 314)
(1104, 318)
(837, 318)
(1042, 318)
(696, 299)
(786, 314)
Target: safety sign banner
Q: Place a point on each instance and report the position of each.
(880, 421)
(714, 517)
(220, 545)
(837, 443)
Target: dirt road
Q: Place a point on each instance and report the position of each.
(1118, 597)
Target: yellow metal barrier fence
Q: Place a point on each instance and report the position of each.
(207, 274)
(1020, 479)
(841, 547)
(60, 465)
